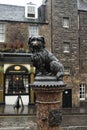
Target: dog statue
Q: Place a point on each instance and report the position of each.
(44, 61)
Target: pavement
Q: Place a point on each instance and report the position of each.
(25, 118)
(31, 110)
(18, 123)
(9, 110)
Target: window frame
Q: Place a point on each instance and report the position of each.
(66, 22)
(82, 92)
(33, 30)
(31, 11)
(2, 32)
(68, 47)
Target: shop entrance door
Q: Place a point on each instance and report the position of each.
(16, 83)
(67, 98)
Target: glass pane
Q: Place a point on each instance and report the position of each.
(2, 37)
(15, 84)
(66, 22)
(82, 91)
(31, 9)
(33, 30)
(66, 47)
(2, 32)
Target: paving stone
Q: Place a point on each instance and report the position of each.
(72, 120)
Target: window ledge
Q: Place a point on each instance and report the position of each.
(66, 52)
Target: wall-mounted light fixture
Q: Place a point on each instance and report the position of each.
(17, 68)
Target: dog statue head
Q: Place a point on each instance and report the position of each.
(36, 43)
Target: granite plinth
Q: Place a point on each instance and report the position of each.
(47, 82)
(48, 101)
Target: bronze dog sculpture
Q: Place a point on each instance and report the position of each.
(44, 61)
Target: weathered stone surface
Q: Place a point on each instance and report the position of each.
(48, 100)
(59, 10)
(47, 82)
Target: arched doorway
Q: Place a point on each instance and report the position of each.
(16, 82)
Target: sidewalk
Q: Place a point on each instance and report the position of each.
(8, 110)
(31, 110)
(76, 111)
(25, 118)
(18, 123)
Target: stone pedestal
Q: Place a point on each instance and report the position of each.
(48, 100)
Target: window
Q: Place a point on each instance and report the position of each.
(82, 91)
(16, 83)
(66, 47)
(2, 32)
(31, 11)
(66, 70)
(66, 22)
(33, 30)
(16, 80)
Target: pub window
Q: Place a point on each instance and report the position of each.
(16, 84)
(33, 30)
(66, 22)
(16, 80)
(82, 91)
(66, 47)
(2, 32)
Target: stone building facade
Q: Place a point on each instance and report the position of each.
(63, 23)
(16, 26)
(82, 13)
(68, 23)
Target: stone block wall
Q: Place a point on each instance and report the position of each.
(66, 9)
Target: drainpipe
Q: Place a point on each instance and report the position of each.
(52, 50)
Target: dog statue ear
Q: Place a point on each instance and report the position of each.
(29, 41)
(43, 40)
